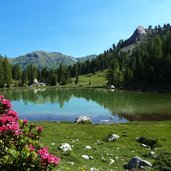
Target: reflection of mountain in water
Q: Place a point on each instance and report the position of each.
(131, 105)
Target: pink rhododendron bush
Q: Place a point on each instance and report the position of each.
(19, 143)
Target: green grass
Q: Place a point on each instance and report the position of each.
(120, 151)
(96, 80)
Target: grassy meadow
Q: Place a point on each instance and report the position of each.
(106, 155)
(90, 80)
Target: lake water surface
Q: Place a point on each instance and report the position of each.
(102, 106)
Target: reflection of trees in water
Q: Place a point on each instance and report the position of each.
(113, 101)
(121, 103)
(28, 95)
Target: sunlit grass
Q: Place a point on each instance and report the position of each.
(102, 152)
(98, 79)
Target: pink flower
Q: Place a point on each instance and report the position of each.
(12, 113)
(10, 128)
(39, 129)
(1, 97)
(9, 124)
(47, 158)
(53, 159)
(25, 121)
(31, 147)
(4, 119)
(6, 104)
(18, 132)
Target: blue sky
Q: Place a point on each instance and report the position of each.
(74, 27)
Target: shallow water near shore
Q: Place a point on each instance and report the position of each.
(102, 106)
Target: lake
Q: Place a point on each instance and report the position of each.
(102, 106)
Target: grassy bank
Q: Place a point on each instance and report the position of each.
(102, 152)
(90, 80)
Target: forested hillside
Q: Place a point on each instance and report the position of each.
(146, 63)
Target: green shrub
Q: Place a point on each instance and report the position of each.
(19, 143)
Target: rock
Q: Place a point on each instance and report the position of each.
(71, 163)
(90, 157)
(138, 162)
(37, 84)
(153, 154)
(35, 81)
(143, 145)
(83, 120)
(103, 159)
(152, 143)
(138, 35)
(111, 161)
(98, 142)
(112, 87)
(65, 148)
(87, 157)
(116, 157)
(93, 169)
(111, 137)
(88, 147)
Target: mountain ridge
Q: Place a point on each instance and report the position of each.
(50, 60)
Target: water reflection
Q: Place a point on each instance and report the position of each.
(102, 105)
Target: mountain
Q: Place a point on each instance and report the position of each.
(88, 57)
(50, 60)
(139, 35)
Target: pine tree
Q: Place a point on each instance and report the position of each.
(1, 74)
(24, 78)
(76, 79)
(7, 72)
(16, 72)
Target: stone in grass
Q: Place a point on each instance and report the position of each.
(83, 120)
(111, 137)
(137, 162)
(93, 169)
(87, 157)
(153, 154)
(88, 147)
(65, 148)
(149, 142)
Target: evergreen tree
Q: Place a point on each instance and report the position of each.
(114, 75)
(24, 78)
(76, 79)
(7, 72)
(16, 72)
(32, 73)
(1, 74)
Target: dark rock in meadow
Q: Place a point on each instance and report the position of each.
(137, 162)
(151, 142)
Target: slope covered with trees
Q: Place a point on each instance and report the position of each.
(146, 63)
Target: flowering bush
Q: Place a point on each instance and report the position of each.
(19, 143)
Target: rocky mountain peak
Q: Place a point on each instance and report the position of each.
(140, 30)
(138, 35)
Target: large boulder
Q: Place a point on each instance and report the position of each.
(138, 162)
(83, 120)
(35, 81)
